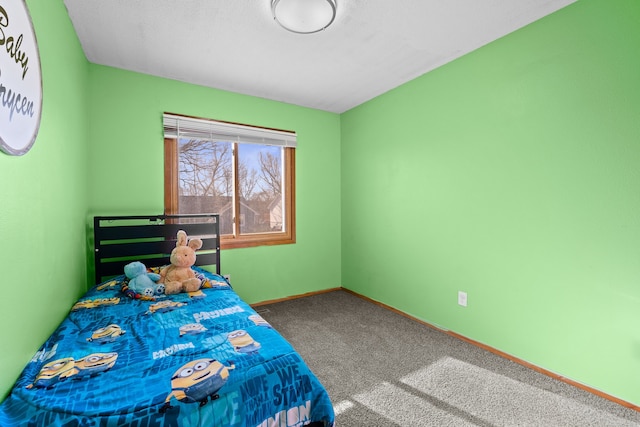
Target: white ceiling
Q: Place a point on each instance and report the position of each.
(234, 45)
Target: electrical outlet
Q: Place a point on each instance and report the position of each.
(462, 298)
(227, 277)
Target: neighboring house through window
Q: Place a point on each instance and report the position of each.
(244, 173)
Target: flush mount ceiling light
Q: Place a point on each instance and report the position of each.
(304, 16)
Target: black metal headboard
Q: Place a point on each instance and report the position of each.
(150, 239)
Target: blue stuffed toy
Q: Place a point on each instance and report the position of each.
(141, 282)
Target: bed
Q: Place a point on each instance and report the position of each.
(204, 358)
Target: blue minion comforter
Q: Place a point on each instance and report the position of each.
(198, 359)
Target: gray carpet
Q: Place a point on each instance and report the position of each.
(383, 369)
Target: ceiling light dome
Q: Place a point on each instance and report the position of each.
(304, 16)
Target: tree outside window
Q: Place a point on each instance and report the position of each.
(250, 185)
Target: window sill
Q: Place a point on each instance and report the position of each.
(250, 242)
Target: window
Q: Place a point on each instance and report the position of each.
(244, 173)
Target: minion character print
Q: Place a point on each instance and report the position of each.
(259, 321)
(192, 329)
(54, 372)
(197, 381)
(107, 334)
(61, 369)
(242, 342)
(95, 364)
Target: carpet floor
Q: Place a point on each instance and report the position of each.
(383, 369)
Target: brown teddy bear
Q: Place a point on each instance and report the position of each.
(179, 277)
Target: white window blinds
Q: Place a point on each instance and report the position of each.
(190, 127)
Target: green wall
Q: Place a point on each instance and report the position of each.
(126, 172)
(43, 201)
(512, 174)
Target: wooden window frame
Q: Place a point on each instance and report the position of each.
(288, 236)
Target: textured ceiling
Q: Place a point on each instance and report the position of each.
(372, 46)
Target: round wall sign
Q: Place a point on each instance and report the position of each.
(20, 79)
